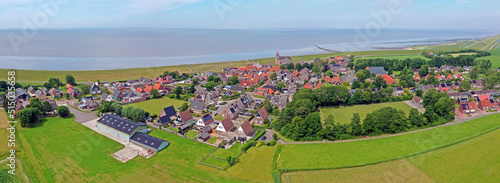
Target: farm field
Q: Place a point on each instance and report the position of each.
(475, 160)
(458, 54)
(399, 57)
(224, 153)
(61, 150)
(35, 76)
(4, 133)
(394, 171)
(255, 164)
(357, 153)
(494, 57)
(154, 106)
(343, 115)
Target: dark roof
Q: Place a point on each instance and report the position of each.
(147, 140)
(169, 111)
(164, 119)
(377, 70)
(21, 91)
(119, 124)
(207, 119)
(198, 105)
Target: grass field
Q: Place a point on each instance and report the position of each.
(458, 54)
(399, 57)
(61, 150)
(343, 115)
(395, 171)
(224, 153)
(191, 134)
(476, 160)
(255, 165)
(4, 133)
(356, 153)
(154, 106)
(494, 57)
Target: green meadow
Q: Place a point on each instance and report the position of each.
(357, 153)
(343, 115)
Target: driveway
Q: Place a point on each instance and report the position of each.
(80, 116)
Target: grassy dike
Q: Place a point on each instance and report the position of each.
(36, 76)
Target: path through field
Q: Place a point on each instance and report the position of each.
(456, 121)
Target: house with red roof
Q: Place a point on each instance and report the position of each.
(246, 84)
(449, 76)
(483, 97)
(260, 116)
(140, 90)
(388, 79)
(467, 108)
(148, 88)
(308, 86)
(416, 78)
(486, 105)
(319, 85)
(335, 81)
(225, 125)
(245, 131)
(263, 91)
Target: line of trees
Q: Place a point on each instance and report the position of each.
(300, 119)
(131, 112)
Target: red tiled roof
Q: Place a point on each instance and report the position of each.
(388, 79)
(227, 124)
(246, 127)
(483, 97)
(148, 88)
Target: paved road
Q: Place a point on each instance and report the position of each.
(82, 117)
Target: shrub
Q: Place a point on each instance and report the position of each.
(272, 143)
(258, 144)
(63, 111)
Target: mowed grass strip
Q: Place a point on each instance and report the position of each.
(476, 160)
(394, 171)
(399, 57)
(343, 115)
(154, 106)
(4, 133)
(297, 157)
(254, 165)
(61, 150)
(494, 57)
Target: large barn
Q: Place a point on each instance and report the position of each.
(149, 142)
(119, 127)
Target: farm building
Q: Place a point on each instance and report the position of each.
(149, 142)
(119, 127)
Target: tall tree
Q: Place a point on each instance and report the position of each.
(70, 79)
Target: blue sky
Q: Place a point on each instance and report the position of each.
(247, 14)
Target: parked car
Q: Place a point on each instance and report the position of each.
(263, 138)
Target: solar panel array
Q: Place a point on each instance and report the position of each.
(147, 140)
(119, 123)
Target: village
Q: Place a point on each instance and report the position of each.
(239, 104)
